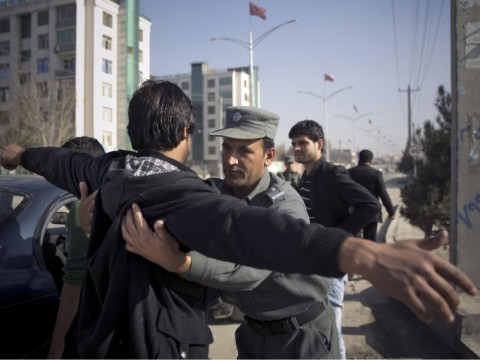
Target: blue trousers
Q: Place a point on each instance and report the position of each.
(335, 296)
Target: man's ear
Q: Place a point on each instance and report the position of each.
(320, 143)
(269, 156)
(185, 132)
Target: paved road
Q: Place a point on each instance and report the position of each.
(374, 325)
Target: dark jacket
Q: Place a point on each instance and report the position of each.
(132, 308)
(339, 201)
(372, 179)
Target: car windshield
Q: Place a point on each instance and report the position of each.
(10, 204)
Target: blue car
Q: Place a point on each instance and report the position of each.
(33, 217)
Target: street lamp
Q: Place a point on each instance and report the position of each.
(354, 119)
(250, 45)
(325, 99)
(370, 131)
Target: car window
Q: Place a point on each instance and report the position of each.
(11, 203)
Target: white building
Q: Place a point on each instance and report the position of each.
(211, 92)
(103, 44)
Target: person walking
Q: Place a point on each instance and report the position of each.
(130, 307)
(286, 315)
(372, 180)
(332, 198)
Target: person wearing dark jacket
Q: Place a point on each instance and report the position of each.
(372, 180)
(132, 308)
(332, 198)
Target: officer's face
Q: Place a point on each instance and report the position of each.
(306, 150)
(244, 163)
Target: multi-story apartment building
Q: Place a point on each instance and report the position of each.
(211, 92)
(103, 45)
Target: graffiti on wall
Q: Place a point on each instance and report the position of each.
(470, 208)
(471, 133)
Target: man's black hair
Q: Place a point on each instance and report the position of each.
(158, 113)
(85, 144)
(365, 156)
(308, 128)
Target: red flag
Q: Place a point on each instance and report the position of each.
(258, 11)
(327, 77)
(355, 108)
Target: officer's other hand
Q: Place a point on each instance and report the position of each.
(85, 209)
(10, 156)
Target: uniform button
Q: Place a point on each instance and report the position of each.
(183, 355)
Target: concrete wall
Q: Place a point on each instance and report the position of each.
(466, 137)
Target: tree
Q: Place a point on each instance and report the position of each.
(45, 111)
(427, 196)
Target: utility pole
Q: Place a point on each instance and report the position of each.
(408, 91)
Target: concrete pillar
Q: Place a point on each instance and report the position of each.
(465, 172)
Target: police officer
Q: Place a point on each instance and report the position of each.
(290, 175)
(286, 315)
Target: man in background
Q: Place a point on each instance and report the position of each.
(289, 174)
(75, 266)
(332, 198)
(372, 180)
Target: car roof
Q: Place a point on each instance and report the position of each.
(28, 183)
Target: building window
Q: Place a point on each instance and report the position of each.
(43, 41)
(107, 42)
(4, 48)
(245, 83)
(226, 94)
(24, 78)
(42, 18)
(25, 55)
(212, 138)
(66, 37)
(69, 64)
(211, 110)
(4, 94)
(211, 83)
(225, 81)
(42, 89)
(107, 90)
(140, 56)
(185, 85)
(4, 71)
(212, 150)
(107, 115)
(211, 123)
(245, 96)
(66, 15)
(42, 66)
(4, 118)
(107, 139)
(4, 26)
(140, 35)
(107, 19)
(211, 96)
(107, 66)
(26, 26)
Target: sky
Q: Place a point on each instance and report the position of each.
(377, 47)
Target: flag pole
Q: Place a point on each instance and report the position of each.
(250, 50)
(325, 145)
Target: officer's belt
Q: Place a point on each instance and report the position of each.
(282, 326)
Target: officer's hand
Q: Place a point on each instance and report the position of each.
(85, 209)
(409, 273)
(158, 246)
